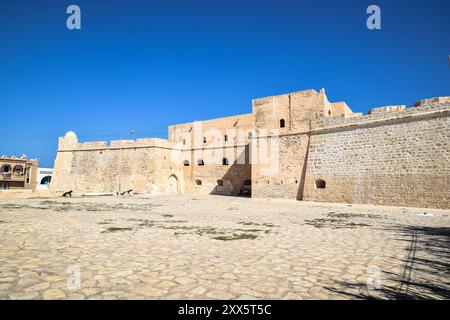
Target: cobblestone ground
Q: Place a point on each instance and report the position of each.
(211, 247)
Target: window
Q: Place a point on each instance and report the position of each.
(28, 174)
(329, 112)
(18, 169)
(320, 184)
(282, 124)
(184, 141)
(6, 168)
(204, 139)
(224, 161)
(225, 138)
(247, 182)
(220, 183)
(186, 163)
(198, 182)
(249, 135)
(200, 162)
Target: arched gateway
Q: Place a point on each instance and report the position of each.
(172, 184)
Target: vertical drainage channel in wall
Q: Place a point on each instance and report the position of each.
(290, 114)
(301, 187)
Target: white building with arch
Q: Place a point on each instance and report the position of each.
(44, 177)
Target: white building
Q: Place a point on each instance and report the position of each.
(43, 178)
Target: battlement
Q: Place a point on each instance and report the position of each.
(304, 93)
(383, 115)
(387, 109)
(432, 100)
(70, 143)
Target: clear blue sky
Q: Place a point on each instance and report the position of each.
(143, 65)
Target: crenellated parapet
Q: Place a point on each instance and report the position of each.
(70, 143)
(385, 115)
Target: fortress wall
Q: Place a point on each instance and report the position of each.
(279, 176)
(382, 114)
(212, 152)
(294, 108)
(278, 154)
(166, 163)
(399, 158)
(62, 178)
(98, 170)
(393, 156)
(214, 130)
(143, 165)
(232, 175)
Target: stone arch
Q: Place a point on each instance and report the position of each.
(46, 180)
(18, 169)
(172, 184)
(6, 168)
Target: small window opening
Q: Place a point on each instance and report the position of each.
(225, 138)
(198, 182)
(204, 139)
(200, 162)
(220, 183)
(186, 163)
(247, 182)
(320, 184)
(224, 161)
(282, 123)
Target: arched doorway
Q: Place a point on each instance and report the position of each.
(46, 180)
(172, 184)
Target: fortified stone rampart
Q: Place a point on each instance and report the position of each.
(122, 165)
(397, 157)
(215, 154)
(295, 146)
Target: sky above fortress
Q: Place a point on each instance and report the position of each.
(144, 65)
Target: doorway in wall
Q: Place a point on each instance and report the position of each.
(172, 184)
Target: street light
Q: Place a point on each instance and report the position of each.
(120, 162)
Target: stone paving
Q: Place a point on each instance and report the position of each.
(212, 247)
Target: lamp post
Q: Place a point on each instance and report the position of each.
(120, 158)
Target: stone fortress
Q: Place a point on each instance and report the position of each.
(295, 146)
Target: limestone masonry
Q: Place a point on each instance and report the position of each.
(294, 146)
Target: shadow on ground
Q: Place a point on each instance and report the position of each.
(425, 273)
